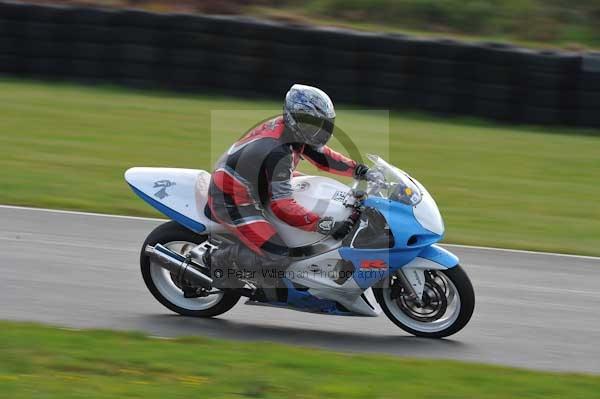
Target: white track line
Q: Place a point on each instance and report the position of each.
(106, 215)
(521, 251)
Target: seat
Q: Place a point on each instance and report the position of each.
(201, 194)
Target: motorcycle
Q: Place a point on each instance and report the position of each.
(388, 263)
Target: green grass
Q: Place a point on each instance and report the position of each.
(67, 146)
(551, 21)
(46, 362)
(546, 33)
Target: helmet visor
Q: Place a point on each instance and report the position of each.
(315, 131)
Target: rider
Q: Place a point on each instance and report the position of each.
(256, 173)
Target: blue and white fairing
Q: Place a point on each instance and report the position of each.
(180, 194)
(416, 225)
(313, 282)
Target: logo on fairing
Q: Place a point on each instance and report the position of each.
(163, 185)
(340, 196)
(326, 224)
(372, 264)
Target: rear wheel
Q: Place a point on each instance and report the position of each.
(165, 287)
(447, 304)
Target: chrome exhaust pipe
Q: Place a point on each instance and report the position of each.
(178, 265)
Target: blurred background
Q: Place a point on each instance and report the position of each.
(500, 133)
(493, 105)
(555, 23)
(398, 55)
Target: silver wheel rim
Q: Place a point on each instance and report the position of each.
(445, 321)
(171, 292)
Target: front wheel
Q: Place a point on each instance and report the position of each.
(447, 304)
(166, 289)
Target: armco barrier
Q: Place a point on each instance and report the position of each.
(250, 57)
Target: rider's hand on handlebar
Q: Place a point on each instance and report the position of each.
(341, 229)
(360, 172)
(363, 172)
(375, 175)
(337, 230)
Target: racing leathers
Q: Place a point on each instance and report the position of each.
(256, 173)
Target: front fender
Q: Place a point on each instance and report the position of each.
(434, 257)
(430, 258)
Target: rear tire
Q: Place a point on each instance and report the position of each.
(465, 307)
(172, 232)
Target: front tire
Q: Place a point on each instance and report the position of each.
(455, 298)
(160, 283)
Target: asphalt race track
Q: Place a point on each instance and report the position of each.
(533, 310)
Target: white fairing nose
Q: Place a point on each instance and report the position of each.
(428, 215)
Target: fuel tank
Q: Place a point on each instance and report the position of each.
(181, 194)
(319, 194)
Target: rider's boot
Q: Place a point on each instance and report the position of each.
(233, 262)
(223, 269)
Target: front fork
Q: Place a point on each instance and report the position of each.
(403, 286)
(412, 275)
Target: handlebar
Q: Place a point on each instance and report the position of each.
(359, 197)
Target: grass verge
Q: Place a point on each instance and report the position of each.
(548, 34)
(39, 361)
(67, 146)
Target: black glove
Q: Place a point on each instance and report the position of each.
(341, 229)
(360, 171)
(363, 172)
(337, 230)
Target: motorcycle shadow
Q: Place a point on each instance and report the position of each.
(390, 342)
